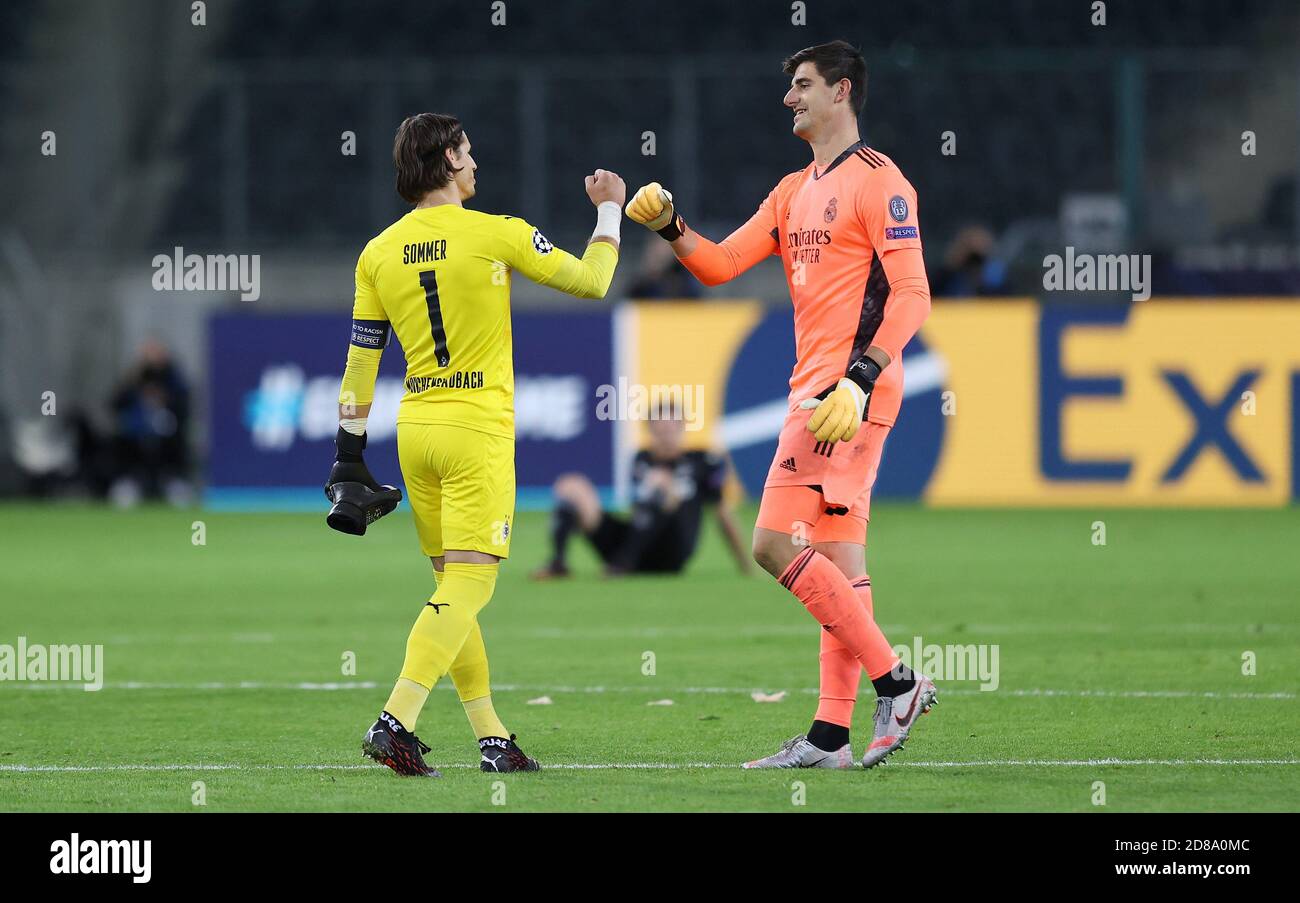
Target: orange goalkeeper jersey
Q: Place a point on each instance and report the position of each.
(838, 232)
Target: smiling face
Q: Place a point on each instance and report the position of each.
(817, 105)
(463, 176)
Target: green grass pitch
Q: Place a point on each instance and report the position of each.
(1119, 663)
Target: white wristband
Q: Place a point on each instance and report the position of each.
(609, 216)
(354, 425)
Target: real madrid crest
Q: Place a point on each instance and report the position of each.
(830, 211)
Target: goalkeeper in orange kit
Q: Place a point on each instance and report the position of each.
(846, 230)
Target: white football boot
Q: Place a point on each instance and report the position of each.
(894, 719)
(797, 752)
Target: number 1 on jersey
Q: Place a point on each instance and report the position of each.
(429, 279)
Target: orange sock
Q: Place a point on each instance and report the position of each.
(863, 586)
(831, 599)
(840, 671)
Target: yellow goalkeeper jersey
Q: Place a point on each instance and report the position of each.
(439, 278)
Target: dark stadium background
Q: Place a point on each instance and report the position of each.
(225, 138)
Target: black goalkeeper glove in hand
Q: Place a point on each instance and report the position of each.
(358, 500)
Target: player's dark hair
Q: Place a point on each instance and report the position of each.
(834, 61)
(419, 153)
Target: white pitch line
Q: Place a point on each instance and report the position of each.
(657, 766)
(729, 631)
(331, 686)
(1125, 694)
(1082, 763)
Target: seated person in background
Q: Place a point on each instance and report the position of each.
(970, 266)
(152, 408)
(670, 487)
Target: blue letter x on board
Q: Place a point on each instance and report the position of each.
(1211, 427)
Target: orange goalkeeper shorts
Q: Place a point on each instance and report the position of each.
(821, 490)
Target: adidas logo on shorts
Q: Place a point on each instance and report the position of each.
(788, 464)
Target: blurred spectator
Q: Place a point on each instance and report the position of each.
(151, 407)
(96, 465)
(969, 268)
(43, 455)
(661, 276)
(1278, 215)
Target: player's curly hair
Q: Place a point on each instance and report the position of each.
(835, 60)
(419, 153)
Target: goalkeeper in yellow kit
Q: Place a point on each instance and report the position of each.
(439, 278)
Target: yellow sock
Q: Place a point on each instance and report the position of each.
(469, 671)
(406, 701)
(483, 718)
(470, 674)
(447, 620)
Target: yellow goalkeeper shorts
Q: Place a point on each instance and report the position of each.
(461, 486)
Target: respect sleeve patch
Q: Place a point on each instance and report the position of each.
(371, 333)
(895, 232)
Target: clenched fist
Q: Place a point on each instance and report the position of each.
(603, 185)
